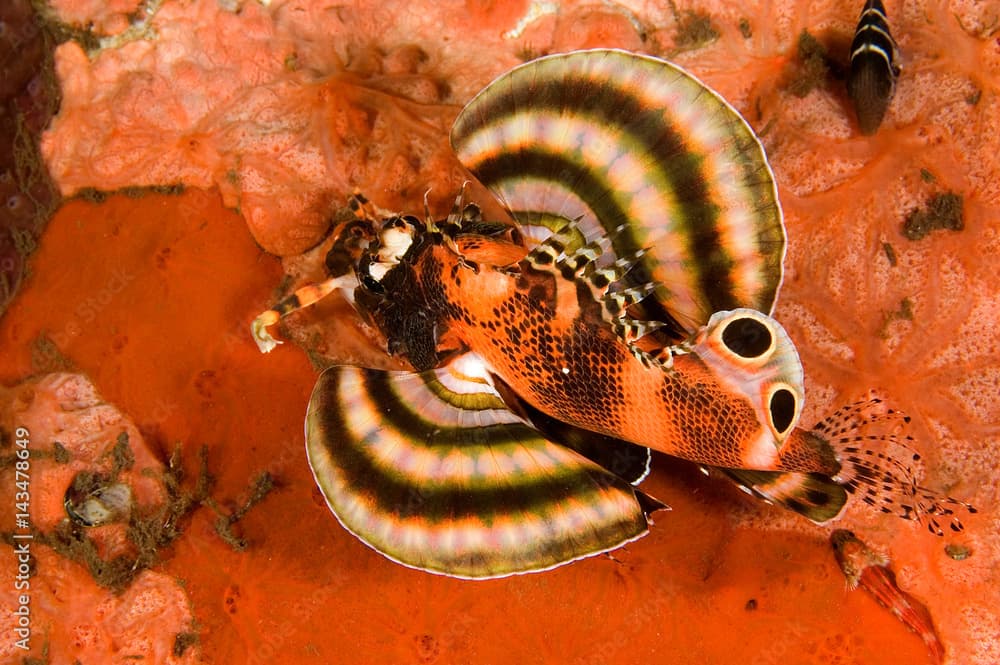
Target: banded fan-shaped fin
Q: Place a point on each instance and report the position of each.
(432, 470)
(614, 139)
(812, 495)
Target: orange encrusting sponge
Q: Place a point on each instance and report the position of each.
(286, 110)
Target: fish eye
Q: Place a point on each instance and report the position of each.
(471, 213)
(782, 409)
(747, 337)
(366, 278)
(371, 284)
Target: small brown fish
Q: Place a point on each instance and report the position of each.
(870, 570)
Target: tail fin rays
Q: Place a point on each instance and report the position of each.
(879, 466)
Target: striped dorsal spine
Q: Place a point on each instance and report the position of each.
(874, 67)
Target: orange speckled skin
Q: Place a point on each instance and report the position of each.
(542, 336)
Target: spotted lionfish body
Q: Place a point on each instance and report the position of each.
(625, 309)
(543, 341)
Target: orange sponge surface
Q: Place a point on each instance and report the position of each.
(272, 114)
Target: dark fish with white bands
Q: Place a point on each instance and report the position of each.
(874, 67)
(645, 154)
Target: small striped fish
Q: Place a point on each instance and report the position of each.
(874, 69)
(624, 309)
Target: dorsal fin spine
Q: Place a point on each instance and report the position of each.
(629, 296)
(581, 265)
(662, 359)
(552, 249)
(585, 257)
(631, 330)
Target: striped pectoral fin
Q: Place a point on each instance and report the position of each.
(812, 495)
(636, 150)
(433, 471)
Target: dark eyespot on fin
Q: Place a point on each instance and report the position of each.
(747, 337)
(812, 495)
(782, 407)
(433, 471)
(874, 67)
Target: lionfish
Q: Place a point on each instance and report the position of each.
(624, 307)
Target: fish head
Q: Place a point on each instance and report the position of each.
(753, 358)
(397, 236)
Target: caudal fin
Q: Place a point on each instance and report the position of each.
(879, 466)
